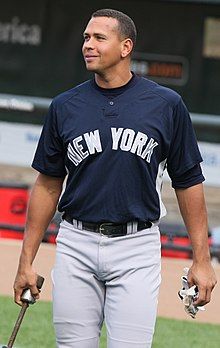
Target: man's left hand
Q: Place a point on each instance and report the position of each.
(202, 274)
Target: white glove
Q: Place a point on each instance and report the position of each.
(189, 295)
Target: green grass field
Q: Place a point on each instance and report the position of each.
(37, 331)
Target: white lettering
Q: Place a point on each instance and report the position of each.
(79, 147)
(139, 142)
(93, 141)
(73, 155)
(149, 150)
(127, 139)
(124, 139)
(16, 104)
(4, 32)
(21, 33)
(116, 134)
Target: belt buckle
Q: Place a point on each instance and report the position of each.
(102, 228)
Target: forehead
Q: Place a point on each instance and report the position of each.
(105, 25)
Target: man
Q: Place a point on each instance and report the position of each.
(113, 137)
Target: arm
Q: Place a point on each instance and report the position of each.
(42, 205)
(193, 210)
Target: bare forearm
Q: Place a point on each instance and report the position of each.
(42, 206)
(193, 210)
(192, 206)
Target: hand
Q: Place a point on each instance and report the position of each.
(25, 280)
(202, 274)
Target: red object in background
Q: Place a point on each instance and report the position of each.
(51, 238)
(11, 232)
(13, 203)
(178, 245)
(13, 207)
(176, 241)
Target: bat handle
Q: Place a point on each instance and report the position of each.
(40, 281)
(17, 325)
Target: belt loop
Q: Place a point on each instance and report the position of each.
(75, 223)
(79, 225)
(129, 228)
(134, 226)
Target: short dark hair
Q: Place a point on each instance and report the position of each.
(126, 25)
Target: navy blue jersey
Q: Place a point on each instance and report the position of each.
(114, 145)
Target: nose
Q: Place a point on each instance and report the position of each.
(89, 44)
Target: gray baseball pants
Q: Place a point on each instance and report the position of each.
(97, 278)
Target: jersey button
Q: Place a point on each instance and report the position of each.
(111, 103)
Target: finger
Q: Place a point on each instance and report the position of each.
(206, 300)
(190, 279)
(34, 291)
(208, 296)
(17, 297)
(202, 298)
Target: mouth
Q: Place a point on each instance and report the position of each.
(89, 58)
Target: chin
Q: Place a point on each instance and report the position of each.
(90, 67)
(93, 69)
(93, 66)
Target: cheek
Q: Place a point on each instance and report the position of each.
(114, 56)
(110, 53)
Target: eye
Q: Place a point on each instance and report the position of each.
(100, 38)
(86, 37)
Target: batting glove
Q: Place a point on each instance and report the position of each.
(188, 295)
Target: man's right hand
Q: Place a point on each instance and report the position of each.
(25, 280)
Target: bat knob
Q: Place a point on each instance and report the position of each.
(27, 296)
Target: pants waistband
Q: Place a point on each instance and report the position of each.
(109, 229)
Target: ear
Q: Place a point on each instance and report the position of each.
(126, 47)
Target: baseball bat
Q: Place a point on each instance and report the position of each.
(26, 299)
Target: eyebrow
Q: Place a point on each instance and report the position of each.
(94, 34)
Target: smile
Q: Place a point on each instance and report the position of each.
(89, 58)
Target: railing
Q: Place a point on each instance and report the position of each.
(205, 120)
(23, 103)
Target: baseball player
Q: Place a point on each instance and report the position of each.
(112, 138)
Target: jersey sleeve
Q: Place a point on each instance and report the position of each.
(184, 153)
(49, 158)
(191, 177)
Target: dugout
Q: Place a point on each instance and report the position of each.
(40, 50)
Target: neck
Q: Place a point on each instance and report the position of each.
(113, 80)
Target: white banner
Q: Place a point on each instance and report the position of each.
(211, 163)
(18, 143)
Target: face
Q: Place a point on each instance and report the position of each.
(103, 48)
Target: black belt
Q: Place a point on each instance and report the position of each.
(110, 229)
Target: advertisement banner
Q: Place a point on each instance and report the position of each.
(18, 143)
(211, 163)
